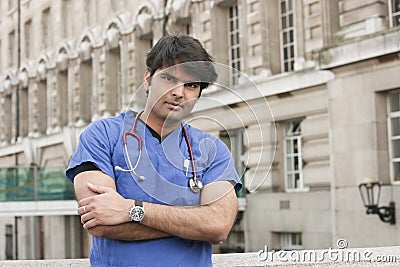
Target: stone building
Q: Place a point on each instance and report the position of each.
(328, 69)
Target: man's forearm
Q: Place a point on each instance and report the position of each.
(127, 232)
(207, 222)
(211, 221)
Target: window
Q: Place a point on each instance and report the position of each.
(394, 135)
(293, 157)
(183, 26)
(90, 11)
(187, 28)
(114, 80)
(73, 237)
(287, 34)
(46, 28)
(41, 230)
(28, 38)
(1, 53)
(142, 46)
(12, 51)
(234, 141)
(291, 241)
(6, 118)
(62, 78)
(41, 104)
(66, 18)
(24, 109)
(9, 242)
(85, 92)
(235, 243)
(234, 44)
(394, 13)
(117, 5)
(11, 4)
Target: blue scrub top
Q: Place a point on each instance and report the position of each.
(166, 182)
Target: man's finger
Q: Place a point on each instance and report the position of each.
(83, 209)
(85, 218)
(84, 202)
(89, 224)
(98, 188)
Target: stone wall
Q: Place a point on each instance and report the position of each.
(383, 256)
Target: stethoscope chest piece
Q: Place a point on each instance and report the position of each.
(195, 184)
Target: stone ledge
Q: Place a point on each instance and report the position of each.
(47, 263)
(370, 47)
(380, 256)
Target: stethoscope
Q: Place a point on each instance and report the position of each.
(195, 183)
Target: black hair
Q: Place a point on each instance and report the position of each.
(172, 50)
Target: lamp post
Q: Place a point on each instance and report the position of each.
(370, 192)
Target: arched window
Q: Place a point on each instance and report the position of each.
(394, 13)
(143, 44)
(40, 100)
(114, 86)
(6, 112)
(85, 90)
(62, 88)
(23, 103)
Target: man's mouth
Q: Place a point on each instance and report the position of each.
(176, 104)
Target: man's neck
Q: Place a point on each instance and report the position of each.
(161, 127)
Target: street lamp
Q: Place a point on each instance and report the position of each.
(370, 192)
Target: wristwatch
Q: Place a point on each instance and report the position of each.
(137, 212)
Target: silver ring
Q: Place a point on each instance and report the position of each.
(84, 209)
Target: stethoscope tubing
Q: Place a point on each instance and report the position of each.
(195, 183)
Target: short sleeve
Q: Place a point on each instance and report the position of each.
(222, 168)
(94, 147)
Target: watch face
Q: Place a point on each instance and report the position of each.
(137, 213)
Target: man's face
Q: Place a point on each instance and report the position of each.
(172, 94)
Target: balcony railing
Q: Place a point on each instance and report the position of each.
(34, 184)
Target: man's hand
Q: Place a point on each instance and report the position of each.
(125, 231)
(106, 208)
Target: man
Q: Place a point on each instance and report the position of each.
(154, 211)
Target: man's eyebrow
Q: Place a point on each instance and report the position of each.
(195, 80)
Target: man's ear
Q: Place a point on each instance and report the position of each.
(147, 80)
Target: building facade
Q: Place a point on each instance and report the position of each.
(327, 70)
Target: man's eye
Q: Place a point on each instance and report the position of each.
(193, 85)
(167, 78)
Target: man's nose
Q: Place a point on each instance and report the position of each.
(178, 90)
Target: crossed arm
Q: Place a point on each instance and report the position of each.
(105, 213)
